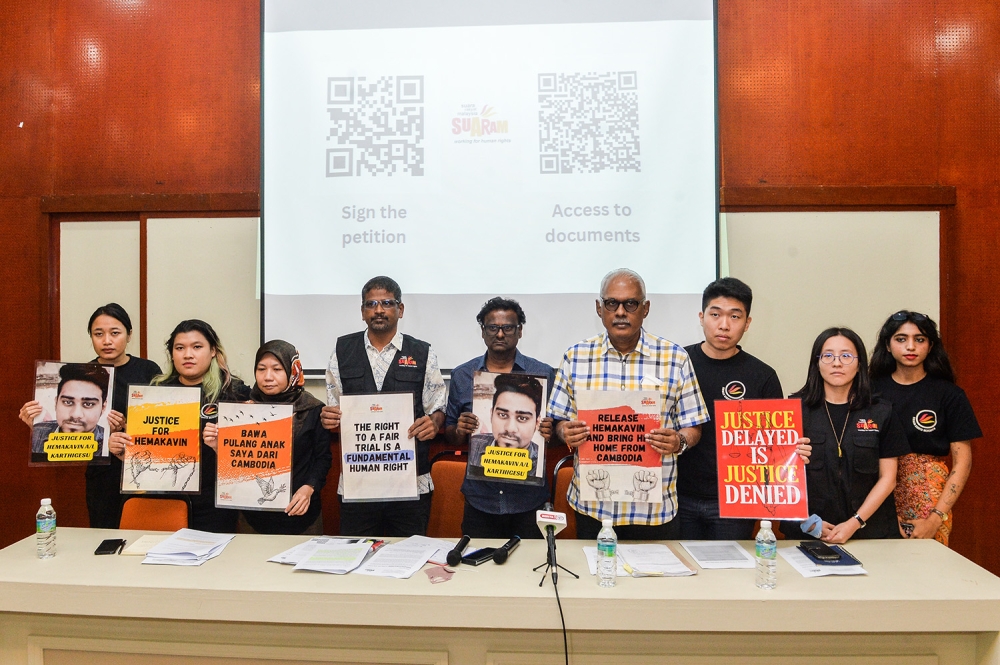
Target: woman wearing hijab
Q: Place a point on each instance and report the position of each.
(280, 380)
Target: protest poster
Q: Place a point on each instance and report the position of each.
(254, 456)
(379, 459)
(508, 444)
(165, 453)
(73, 425)
(616, 463)
(760, 474)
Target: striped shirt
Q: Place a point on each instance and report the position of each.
(655, 364)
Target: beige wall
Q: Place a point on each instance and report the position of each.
(810, 271)
(98, 264)
(205, 268)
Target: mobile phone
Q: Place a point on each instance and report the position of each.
(479, 556)
(908, 528)
(820, 551)
(111, 546)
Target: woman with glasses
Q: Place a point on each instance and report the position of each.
(911, 369)
(856, 440)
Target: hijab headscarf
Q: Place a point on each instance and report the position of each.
(294, 393)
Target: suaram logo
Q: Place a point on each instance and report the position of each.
(648, 401)
(136, 394)
(734, 390)
(477, 123)
(407, 361)
(867, 425)
(375, 408)
(225, 496)
(925, 420)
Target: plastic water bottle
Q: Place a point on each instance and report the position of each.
(45, 530)
(607, 556)
(767, 554)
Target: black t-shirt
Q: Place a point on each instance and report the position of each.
(934, 413)
(891, 440)
(739, 377)
(137, 371)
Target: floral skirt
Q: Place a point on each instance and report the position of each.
(920, 481)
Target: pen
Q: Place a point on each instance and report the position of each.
(628, 568)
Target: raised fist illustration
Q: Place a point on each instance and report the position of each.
(600, 480)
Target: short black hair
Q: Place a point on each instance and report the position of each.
(499, 304)
(522, 384)
(87, 372)
(115, 311)
(727, 287)
(384, 283)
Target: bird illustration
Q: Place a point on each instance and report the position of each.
(267, 489)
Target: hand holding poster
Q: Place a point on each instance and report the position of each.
(165, 454)
(508, 445)
(379, 459)
(254, 456)
(73, 423)
(760, 474)
(616, 463)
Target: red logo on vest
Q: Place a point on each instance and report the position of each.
(867, 425)
(407, 361)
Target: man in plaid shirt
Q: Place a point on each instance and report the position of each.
(626, 357)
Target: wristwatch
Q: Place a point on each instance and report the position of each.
(684, 444)
(860, 521)
(943, 516)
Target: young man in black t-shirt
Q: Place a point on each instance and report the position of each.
(725, 372)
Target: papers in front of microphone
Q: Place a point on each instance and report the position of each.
(440, 557)
(807, 568)
(643, 561)
(335, 558)
(188, 547)
(399, 560)
(719, 554)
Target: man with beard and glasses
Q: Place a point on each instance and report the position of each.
(382, 359)
(495, 509)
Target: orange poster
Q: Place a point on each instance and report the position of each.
(165, 453)
(255, 456)
(760, 474)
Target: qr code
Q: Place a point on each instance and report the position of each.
(588, 123)
(377, 126)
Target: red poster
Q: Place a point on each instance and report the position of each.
(760, 474)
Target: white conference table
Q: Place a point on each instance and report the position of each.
(920, 603)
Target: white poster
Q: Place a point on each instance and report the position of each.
(379, 459)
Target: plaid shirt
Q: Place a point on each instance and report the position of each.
(655, 364)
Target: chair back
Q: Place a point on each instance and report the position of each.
(561, 478)
(147, 514)
(447, 501)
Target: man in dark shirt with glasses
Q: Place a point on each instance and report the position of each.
(496, 509)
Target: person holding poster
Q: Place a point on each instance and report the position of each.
(911, 369)
(280, 380)
(496, 509)
(725, 372)
(381, 359)
(196, 358)
(626, 357)
(80, 405)
(110, 329)
(856, 441)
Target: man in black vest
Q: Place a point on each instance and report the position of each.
(381, 359)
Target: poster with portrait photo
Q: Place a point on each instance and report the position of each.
(508, 445)
(73, 425)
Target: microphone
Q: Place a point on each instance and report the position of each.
(550, 523)
(502, 552)
(455, 556)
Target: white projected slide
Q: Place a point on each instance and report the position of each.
(469, 152)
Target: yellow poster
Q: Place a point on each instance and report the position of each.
(165, 453)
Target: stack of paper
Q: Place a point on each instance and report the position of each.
(643, 561)
(336, 558)
(400, 560)
(302, 551)
(719, 554)
(188, 547)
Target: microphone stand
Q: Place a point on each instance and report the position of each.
(550, 559)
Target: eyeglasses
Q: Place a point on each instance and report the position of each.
(845, 358)
(507, 328)
(630, 305)
(388, 303)
(903, 315)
